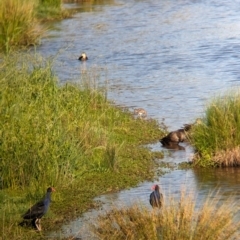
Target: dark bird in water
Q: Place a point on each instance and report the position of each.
(36, 212)
(175, 137)
(83, 57)
(156, 197)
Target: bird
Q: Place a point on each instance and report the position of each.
(36, 212)
(83, 57)
(156, 198)
(175, 137)
(142, 113)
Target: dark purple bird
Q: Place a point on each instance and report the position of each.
(156, 197)
(39, 209)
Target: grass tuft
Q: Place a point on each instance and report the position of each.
(216, 139)
(180, 220)
(17, 24)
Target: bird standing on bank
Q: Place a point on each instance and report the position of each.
(36, 212)
(156, 198)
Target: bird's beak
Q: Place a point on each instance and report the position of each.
(53, 189)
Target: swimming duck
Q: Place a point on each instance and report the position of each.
(83, 57)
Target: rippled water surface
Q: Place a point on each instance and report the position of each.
(168, 57)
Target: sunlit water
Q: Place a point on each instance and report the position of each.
(168, 57)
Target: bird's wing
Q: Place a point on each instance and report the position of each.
(151, 199)
(35, 211)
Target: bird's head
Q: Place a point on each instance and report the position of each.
(155, 187)
(83, 57)
(51, 189)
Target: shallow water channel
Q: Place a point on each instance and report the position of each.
(168, 57)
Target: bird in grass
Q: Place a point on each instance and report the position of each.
(36, 212)
(83, 57)
(156, 198)
(140, 112)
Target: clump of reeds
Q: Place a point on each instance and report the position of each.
(180, 220)
(216, 139)
(17, 24)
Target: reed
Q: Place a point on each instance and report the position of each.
(216, 139)
(177, 219)
(17, 24)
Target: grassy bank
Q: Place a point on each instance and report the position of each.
(179, 220)
(20, 21)
(216, 139)
(70, 137)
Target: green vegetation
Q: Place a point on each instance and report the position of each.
(51, 10)
(176, 220)
(20, 21)
(67, 136)
(17, 24)
(216, 139)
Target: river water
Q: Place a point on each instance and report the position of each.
(169, 57)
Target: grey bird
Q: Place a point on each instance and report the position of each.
(156, 198)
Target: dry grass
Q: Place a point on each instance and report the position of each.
(227, 158)
(178, 219)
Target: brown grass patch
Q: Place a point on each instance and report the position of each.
(228, 158)
(178, 219)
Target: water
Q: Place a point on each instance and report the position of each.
(168, 57)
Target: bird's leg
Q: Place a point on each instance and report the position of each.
(37, 224)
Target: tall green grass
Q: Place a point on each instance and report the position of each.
(216, 139)
(51, 10)
(64, 135)
(20, 21)
(180, 220)
(17, 24)
(50, 134)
